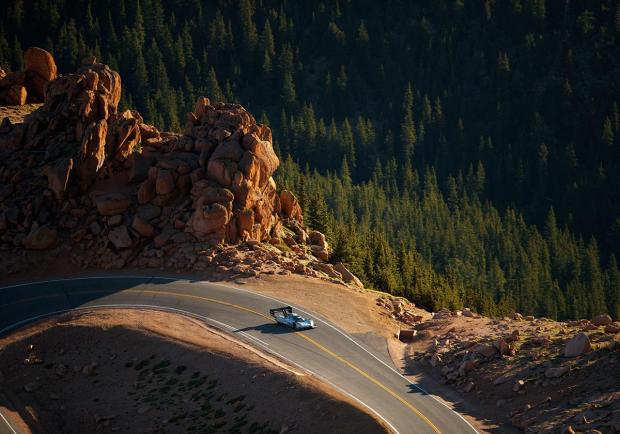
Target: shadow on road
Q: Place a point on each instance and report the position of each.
(269, 329)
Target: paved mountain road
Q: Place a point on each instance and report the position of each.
(326, 352)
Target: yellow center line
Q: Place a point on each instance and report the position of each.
(301, 335)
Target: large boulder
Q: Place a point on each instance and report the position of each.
(211, 194)
(318, 245)
(318, 239)
(290, 206)
(40, 70)
(208, 219)
(328, 269)
(347, 276)
(577, 346)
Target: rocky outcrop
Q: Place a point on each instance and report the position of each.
(130, 194)
(17, 88)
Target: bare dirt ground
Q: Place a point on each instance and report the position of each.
(514, 372)
(150, 371)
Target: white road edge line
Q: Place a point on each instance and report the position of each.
(260, 295)
(7, 423)
(206, 319)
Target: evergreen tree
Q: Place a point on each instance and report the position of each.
(213, 88)
(318, 217)
(407, 127)
(288, 95)
(608, 132)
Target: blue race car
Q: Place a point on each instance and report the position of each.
(285, 316)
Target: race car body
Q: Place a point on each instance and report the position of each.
(285, 316)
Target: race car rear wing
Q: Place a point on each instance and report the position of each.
(286, 310)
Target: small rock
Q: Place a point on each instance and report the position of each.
(502, 379)
(95, 228)
(143, 228)
(89, 370)
(115, 220)
(120, 237)
(112, 204)
(31, 387)
(601, 320)
(518, 385)
(61, 370)
(467, 312)
(556, 372)
(484, 350)
(468, 366)
(612, 328)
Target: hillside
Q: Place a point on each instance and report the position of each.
(464, 149)
(111, 370)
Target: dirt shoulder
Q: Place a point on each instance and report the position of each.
(148, 371)
(531, 374)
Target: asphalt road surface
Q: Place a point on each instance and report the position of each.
(325, 352)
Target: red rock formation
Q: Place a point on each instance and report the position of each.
(78, 170)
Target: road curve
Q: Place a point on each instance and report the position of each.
(325, 352)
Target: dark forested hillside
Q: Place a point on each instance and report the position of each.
(477, 143)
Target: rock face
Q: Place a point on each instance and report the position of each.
(577, 346)
(17, 88)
